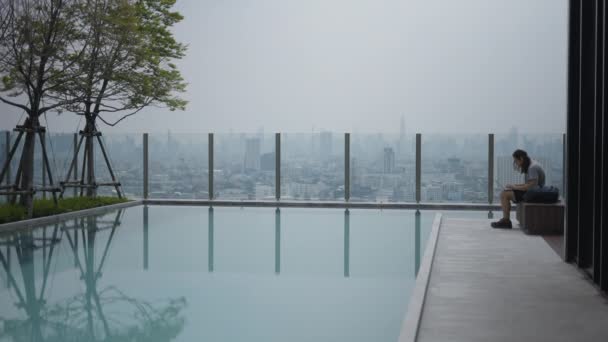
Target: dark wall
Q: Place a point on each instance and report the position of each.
(586, 158)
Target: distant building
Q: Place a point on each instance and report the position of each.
(252, 154)
(267, 161)
(384, 195)
(307, 191)
(409, 192)
(513, 136)
(453, 191)
(401, 149)
(325, 145)
(389, 160)
(454, 165)
(433, 193)
(264, 191)
(354, 172)
(260, 133)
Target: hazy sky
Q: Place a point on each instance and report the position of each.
(359, 65)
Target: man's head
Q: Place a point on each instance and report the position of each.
(521, 161)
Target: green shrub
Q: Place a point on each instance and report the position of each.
(10, 213)
(47, 207)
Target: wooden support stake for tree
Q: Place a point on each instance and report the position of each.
(73, 165)
(76, 150)
(7, 162)
(105, 156)
(45, 159)
(16, 188)
(84, 163)
(87, 180)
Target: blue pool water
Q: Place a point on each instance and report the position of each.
(163, 273)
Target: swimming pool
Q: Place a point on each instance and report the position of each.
(161, 273)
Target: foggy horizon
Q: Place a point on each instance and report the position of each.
(461, 67)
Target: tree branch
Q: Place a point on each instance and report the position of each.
(26, 109)
(119, 120)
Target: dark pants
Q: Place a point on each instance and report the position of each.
(518, 195)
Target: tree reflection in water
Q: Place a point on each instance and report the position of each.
(106, 314)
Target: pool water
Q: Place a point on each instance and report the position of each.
(163, 273)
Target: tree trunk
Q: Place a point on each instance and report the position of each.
(91, 192)
(27, 164)
(90, 151)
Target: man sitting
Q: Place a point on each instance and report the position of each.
(534, 176)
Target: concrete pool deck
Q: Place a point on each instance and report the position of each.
(503, 285)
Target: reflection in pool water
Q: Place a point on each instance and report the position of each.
(100, 278)
(91, 315)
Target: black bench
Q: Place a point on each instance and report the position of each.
(541, 218)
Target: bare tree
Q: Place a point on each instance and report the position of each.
(42, 42)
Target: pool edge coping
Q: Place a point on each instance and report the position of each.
(325, 204)
(35, 222)
(413, 317)
(32, 223)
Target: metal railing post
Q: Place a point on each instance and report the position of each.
(44, 171)
(346, 243)
(145, 165)
(146, 243)
(75, 173)
(210, 240)
(564, 165)
(347, 166)
(277, 166)
(490, 168)
(7, 151)
(277, 241)
(211, 167)
(418, 165)
(417, 242)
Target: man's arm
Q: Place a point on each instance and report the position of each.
(522, 187)
(532, 180)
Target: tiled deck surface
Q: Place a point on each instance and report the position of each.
(503, 285)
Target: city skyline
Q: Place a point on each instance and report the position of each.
(454, 167)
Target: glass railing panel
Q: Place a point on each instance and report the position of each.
(244, 166)
(383, 167)
(263, 172)
(454, 168)
(15, 161)
(125, 152)
(178, 166)
(58, 148)
(3, 158)
(312, 166)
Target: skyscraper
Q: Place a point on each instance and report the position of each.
(354, 171)
(260, 136)
(401, 149)
(325, 145)
(252, 154)
(267, 161)
(389, 160)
